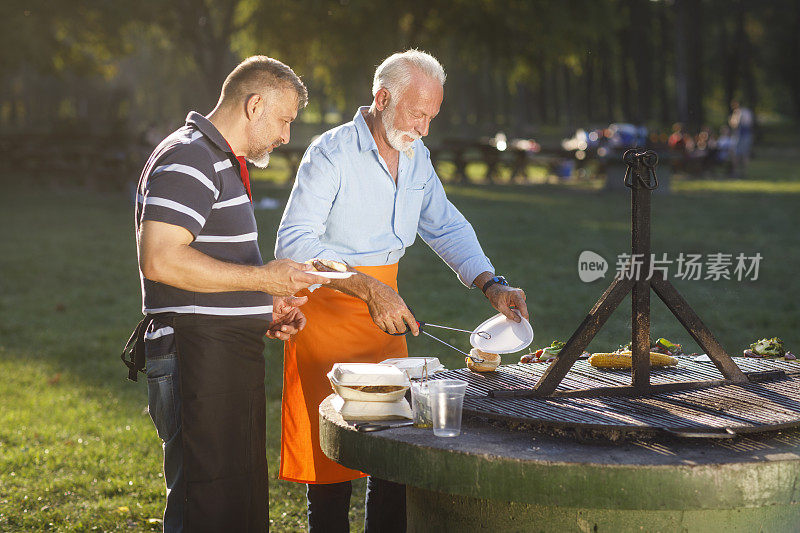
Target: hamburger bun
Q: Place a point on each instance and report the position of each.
(490, 361)
(326, 265)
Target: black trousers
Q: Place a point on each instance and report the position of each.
(329, 506)
(223, 416)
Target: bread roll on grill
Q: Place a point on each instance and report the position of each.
(490, 361)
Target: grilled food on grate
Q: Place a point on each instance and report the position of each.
(490, 361)
(381, 389)
(624, 360)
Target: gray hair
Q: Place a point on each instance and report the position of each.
(396, 71)
(256, 73)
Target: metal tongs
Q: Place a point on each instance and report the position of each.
(483, 334)
(368, 427)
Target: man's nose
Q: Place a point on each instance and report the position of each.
(286, 134)
(423, 126)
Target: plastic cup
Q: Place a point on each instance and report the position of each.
(447, 399)
(421, 404)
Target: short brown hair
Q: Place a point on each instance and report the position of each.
(256, 72)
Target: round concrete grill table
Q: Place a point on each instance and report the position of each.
(495, 479)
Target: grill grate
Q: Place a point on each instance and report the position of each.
(740, 408)
(690, 398)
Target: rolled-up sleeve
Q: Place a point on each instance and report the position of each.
(449, 234)
(307, 210)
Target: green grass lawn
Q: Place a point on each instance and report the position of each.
(77, 449)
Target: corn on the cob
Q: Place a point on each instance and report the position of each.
(624, 359)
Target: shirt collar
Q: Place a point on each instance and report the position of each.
(366, 141)
(209, 130)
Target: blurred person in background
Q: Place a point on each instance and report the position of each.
(724, 144)
(741, 122)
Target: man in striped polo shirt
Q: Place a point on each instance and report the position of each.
(208, 299)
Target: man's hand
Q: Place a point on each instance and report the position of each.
(284, 277)
(287, 319)
(505, 298)
(389, 311)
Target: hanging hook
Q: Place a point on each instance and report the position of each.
(642, 164)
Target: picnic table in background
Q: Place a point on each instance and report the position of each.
(494, 152)
(102, 162)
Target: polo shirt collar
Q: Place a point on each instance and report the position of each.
(209, 130)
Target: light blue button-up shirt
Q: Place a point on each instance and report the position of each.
(345, 206)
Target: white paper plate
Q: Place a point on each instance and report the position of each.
(333, 275)
(507, 336)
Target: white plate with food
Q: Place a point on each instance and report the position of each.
(368, 382)
(504, 335)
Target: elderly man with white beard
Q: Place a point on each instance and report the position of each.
(363, 192)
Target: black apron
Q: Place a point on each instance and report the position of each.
(223, 420)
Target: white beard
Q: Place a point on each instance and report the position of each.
(394, 135)
(260, 162)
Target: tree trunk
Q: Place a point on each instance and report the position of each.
(544, 96)
(208, 36)
(792, 74)
(681, 66)
(642, 55)
(555, 90)
(695, 87)
(666, 114)
(588, 84)
(569, 104)
(607, 82)
(748, 71)
(729, 51)
(625, 74)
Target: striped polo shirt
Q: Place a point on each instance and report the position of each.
(192, 180)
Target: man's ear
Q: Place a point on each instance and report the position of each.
(253, 106)
(382, 99)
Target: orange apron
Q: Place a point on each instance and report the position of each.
(339, 330)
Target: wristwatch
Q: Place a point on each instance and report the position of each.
(497, 279)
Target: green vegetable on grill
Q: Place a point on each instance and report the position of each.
(768, 347)
(671, 347)
(553, 350)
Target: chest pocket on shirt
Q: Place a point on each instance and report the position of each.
(414, 194)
